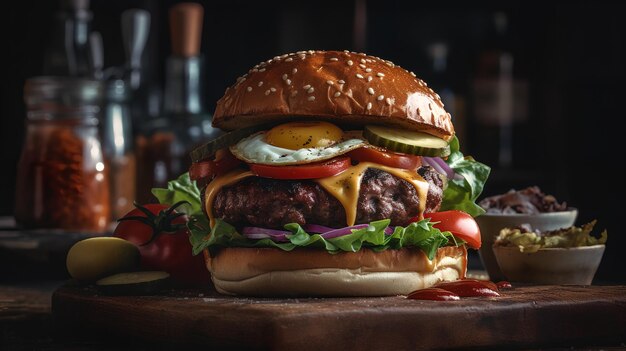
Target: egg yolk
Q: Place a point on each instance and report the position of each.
(298, 135)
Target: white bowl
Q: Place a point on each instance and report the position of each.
(491, 224)
(558, 266)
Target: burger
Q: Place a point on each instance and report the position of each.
(339, 174)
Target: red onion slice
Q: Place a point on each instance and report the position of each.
(439, 165)
(317, 229)
(265, 233)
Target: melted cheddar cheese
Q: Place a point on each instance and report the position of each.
(345, 186)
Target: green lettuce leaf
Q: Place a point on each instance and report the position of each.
(461, 192)
(181, 189)
(420, 234)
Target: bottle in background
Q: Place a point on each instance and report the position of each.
(117, 143)
(163, 144)
(68, 51)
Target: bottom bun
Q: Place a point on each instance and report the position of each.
(273, 272)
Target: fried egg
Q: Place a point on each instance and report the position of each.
(296, 143)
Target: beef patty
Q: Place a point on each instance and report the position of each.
(272, 203)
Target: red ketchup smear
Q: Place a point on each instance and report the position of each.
(433, 294)
(504, 285)
(452, 291)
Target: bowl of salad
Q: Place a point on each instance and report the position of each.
(563, 256)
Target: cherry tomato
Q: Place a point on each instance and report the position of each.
(386, 158)
(204, 171)
(163, 240)
(459, 223)
(307, 171)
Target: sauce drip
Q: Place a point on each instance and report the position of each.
(504, 285)
(435, 294)
(453, 291)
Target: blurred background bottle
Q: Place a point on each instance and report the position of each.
(118, 146)
(164, 143)
(67, 53)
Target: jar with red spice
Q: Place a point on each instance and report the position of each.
(62, 180)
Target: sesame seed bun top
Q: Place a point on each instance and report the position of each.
(341, 87)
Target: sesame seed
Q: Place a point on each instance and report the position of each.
(350, 63)
(334, 59)
(262, 70)
(369, 79)
(413, 74)
(310, 90)
(311, 98)
(267, 92)
(255, 70)
(363, 60)
(288, 59)
(358, 75)
(370, 91)
(389, 101)
(369, 105)
(341, 81)
(362, 66)
(294, 93)
(380, 74)
(260, 83)
(346, 51)
(311, 52)
(294, 71)
(306, 86)
(330, 82)
(272, 89)
(269, 61)
(240, 79)
(249, 89)
(337, 94)
(368, 70)
(301, 52)
(283, 56)
(380, 97)
(277, 58)
(288, 81)
(285, 76)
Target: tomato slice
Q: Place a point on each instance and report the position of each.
(459, 223)
(207, 169)
(307, 171)
(386, 158)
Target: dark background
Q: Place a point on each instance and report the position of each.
(569, 55)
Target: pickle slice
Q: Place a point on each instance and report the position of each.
(134, 283)
(209, 149)
(406, 141)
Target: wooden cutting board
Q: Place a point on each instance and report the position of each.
(527, 316)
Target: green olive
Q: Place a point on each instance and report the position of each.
(94, 258)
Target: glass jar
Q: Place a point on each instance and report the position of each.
(62, 179)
